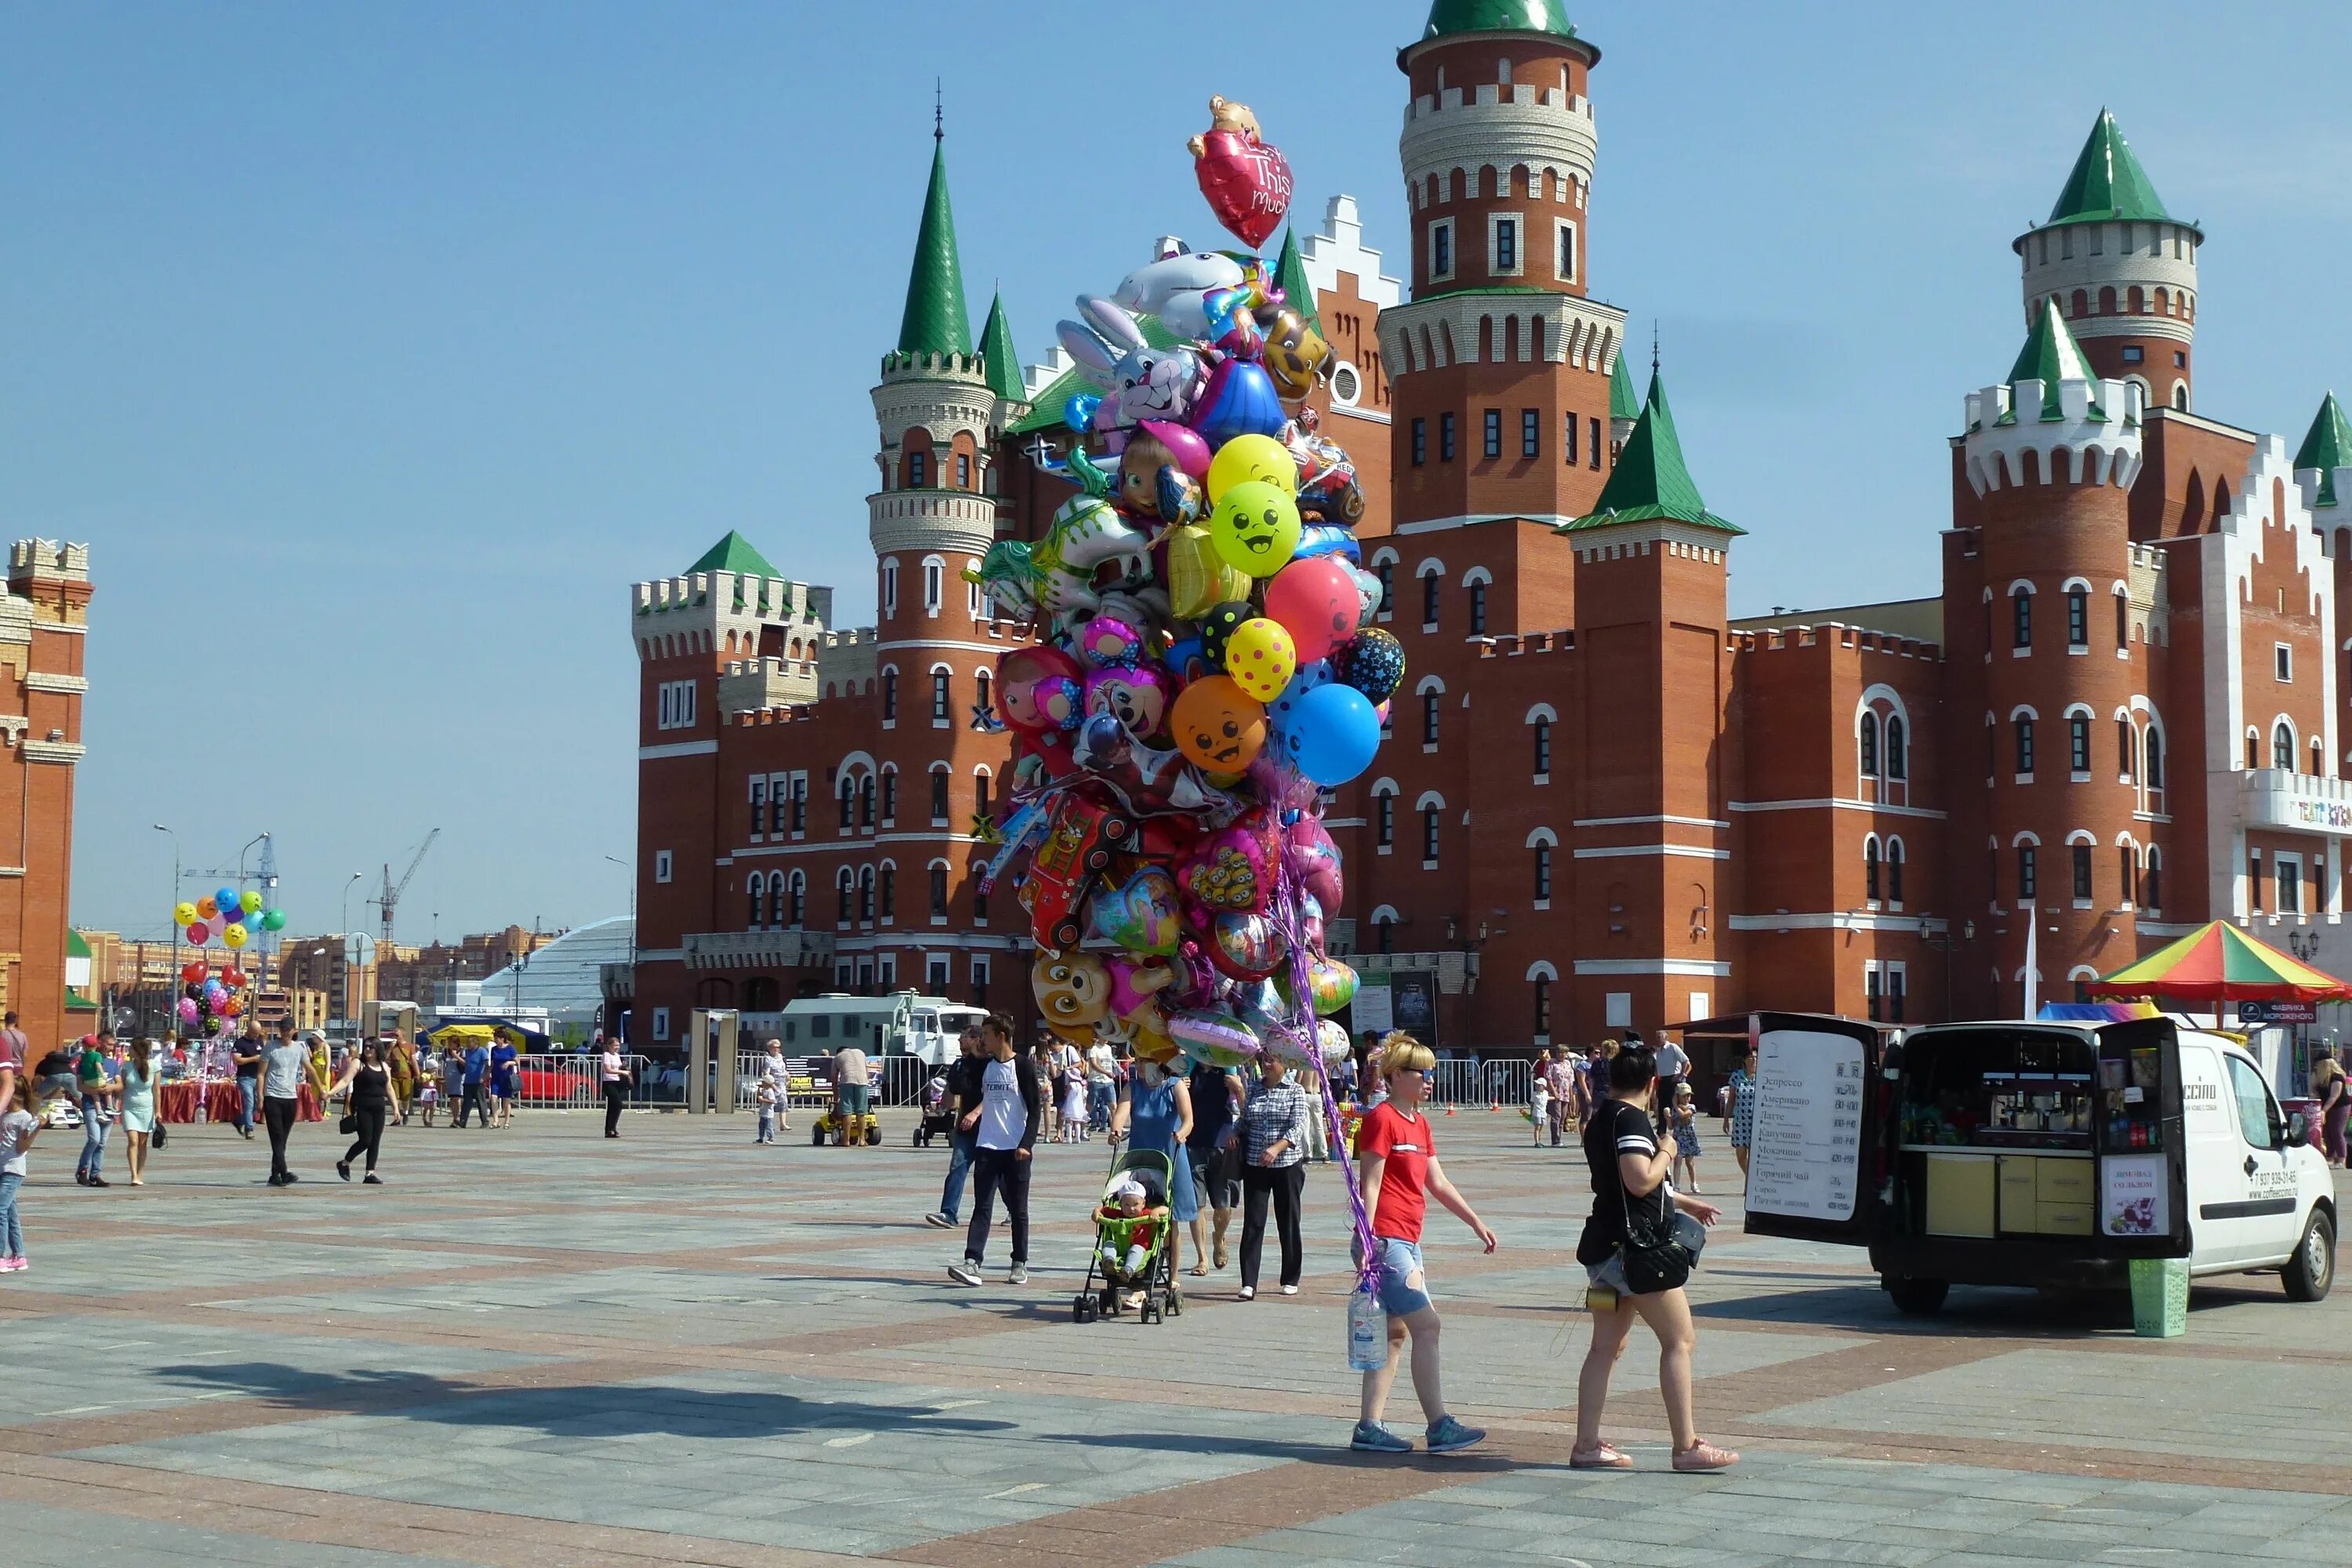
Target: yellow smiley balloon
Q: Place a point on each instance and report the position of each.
(1256, 526)
(1261, 658)
(1247, 458)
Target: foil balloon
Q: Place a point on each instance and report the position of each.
(1216, 725)
(1109, 640)
(1142, 915)
(1238, 400)
(1037, 689)
(1073, 990)
(1229, 870)
(1137, 697)
(1198, 577)
(1247, 182)
(1213, 1038)
(1245, 946)
(1330, 986)
(1295, 354)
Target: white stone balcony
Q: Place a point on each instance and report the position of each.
(2299, 802)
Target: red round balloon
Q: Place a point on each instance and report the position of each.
(1316, 603)
(199, 933)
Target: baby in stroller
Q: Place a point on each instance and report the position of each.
(1132, 1233)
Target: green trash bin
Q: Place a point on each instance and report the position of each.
(2159, 1293)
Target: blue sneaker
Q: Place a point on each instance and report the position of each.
(1447, 1436)
(1371, 1438)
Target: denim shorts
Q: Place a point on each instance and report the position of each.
(1400, 1260)
(1610, 1273)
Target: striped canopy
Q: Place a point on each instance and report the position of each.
(2219, 962)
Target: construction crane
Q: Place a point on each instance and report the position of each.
(389, 899)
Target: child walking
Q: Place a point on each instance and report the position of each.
(1683, 1120)
(18, 1126)
(1078, 1124)
(767, 1094)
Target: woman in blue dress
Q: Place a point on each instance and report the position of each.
(1155, 1111)
(1743, 1111)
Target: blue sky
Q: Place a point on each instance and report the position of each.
(375, 350)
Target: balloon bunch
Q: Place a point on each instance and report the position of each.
(236, 918)
(210, 1004)
(1205, 666)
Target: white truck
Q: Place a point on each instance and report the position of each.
(2041, 1153)
(902, 1024)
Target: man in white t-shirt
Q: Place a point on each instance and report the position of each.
(1008, 1117)
(1674, 1065)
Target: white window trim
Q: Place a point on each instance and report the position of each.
(1566, 229)
(1495, 221)
(1452, 249)
(663, 865)
(2282, 654)
(891, 588)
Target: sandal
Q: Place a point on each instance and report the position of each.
(1600, 1457)
(1704, 1455)
(1223, 1254)
(1199, 1270)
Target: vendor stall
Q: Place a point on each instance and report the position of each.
(177, 1102)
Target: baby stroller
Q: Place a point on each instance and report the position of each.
(1108, 1282)
(937, 1120)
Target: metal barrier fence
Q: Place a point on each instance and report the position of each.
(572, 1082)
(1461, 1081)
(898, 1080)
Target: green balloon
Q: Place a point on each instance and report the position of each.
(274, 921)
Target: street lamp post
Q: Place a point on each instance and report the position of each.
(343, 935)
(172, 1014)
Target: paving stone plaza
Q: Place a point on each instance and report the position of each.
(539, 1347)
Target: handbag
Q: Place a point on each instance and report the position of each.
(155, 1138)
(1656, 1261)
(348, 1125)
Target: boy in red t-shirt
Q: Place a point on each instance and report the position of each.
(1399, 1174)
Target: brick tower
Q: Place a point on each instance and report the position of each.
(2051, 457)
(2121, 269)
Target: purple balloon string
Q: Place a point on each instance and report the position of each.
(1289, 920)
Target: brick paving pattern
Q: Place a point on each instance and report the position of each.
(539, 1347)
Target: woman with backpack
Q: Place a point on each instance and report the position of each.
(1633, 1204)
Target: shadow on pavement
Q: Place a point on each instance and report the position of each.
(1971, 1312)
(599, 1410)
(1478, 1461)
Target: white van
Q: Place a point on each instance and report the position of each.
(2046, 1153)
(902, 1024)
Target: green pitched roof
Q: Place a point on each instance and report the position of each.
(2327, 448)
(734, 554)
(998, 363)
(1621, 405)
(934, 321)
(1448, 17)
(1290, 277)
(2052, 355)
(1046, 414)
(2107, 182)
(1651, 481)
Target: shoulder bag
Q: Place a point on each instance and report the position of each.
(1659, 1257)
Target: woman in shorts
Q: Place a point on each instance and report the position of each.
(1621, 1146)
(1399, 1174)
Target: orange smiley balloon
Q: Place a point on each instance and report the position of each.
(1217, 724)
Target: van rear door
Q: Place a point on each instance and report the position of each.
(1814, 1151)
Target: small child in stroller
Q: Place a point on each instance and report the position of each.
(1124, 1220)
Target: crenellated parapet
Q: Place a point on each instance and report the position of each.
(1468, 142)
(2078, 432)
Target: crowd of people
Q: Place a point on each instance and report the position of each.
(1568, 1089)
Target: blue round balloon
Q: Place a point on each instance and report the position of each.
(226, 898)
(1332, 734)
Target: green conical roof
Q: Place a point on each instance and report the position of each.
(1290, 277)
(2327, 448)
(934, 321)
(1651, 481)
(2107, 182)
(2052, 355)
(998, 363)
(1622, 404)
(734, 554)
(1448, 17)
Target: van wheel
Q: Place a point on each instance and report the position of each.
(2312, 1268)
(1915, 1297)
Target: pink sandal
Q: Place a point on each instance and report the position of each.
(1701, 1456)
(1600, 1457)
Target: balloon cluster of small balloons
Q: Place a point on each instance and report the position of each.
(1205, 666)
(211, 1004)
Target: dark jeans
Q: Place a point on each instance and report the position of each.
(994, 1171)
(960, 1148)
(612, 1092)
(279, 1115)
(1282, 1183)
(475, 1103)
(370, 1130)
(248, 1090)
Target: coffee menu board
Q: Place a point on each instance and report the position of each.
(1805, 1157)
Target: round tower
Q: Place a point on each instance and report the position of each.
(2121, 269)
(2053, 454)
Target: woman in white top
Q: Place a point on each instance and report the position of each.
(612, 1072)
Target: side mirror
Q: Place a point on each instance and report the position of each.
(2298, 1130)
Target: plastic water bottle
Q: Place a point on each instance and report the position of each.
(1368, 1332)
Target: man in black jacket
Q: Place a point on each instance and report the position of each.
(963, 1104)
(1004, 1133)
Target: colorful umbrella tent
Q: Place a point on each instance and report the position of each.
(2218, 963)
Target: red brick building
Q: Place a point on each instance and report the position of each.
(44, 627)
(1604, 801)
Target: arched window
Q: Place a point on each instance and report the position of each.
(1541, 854)
(2152, 887)
(1894, 870)
(1384, 924)
(847, 884)
(1869, 743)
(865, 801)
(865, 894)
(796, 899)
(934, 584)
(848, 803)
(2127, 868)
(1429, 813)
(1429, 717)
(1478, 608)
(891, 588)
(2022, 730)
(2078, 617)
(2318, 758)
(1540, 993)
(939, 889)
(1541, 729)
(889, 793)
(918, 471)
(981, 688)
(758, 913)
(982, 784)
(940, 793)
(1384, 795)
(2152, 750)
(888, 886)
(964, 471)
(1432, 584)
(1869, 866)
(2180, 395)
(1898, 757)
(1386, 570)
(940, 706)
(2020, 616)
(2078, 741)
(890, 695)
(2283, 748)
